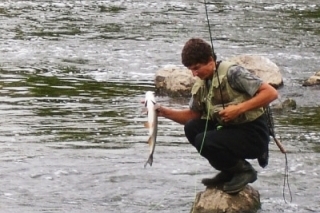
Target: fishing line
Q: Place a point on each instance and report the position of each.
(208, 110)
(207, 119)
(270, 122)
(208, 22)
(203, 138)
(286, 179)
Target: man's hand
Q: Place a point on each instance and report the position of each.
(230, 112)
(157, 107)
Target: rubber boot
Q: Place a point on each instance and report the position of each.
(264, 159)
(220, 178)
(243, 173)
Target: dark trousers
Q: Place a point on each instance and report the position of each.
(224, 147)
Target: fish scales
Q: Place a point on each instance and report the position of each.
(151, 124)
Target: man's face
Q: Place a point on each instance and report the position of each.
(203, 71)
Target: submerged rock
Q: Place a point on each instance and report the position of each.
(214, 200)
(287, 104)
(178, 81)
(313, 80)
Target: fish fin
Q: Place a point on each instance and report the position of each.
(144, 111)
(147, 125)
(149, 141)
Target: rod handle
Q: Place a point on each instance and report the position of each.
(280, 145)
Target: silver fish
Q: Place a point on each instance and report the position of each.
(151, 124)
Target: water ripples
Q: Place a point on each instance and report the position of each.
(73, 73)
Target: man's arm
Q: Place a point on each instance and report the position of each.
(181, 116)
(265, 95)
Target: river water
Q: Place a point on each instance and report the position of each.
(72, 77)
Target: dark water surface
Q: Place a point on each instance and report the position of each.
(72, 74)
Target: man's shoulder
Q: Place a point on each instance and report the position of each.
(198, 84)
(236, 70)
(225, 66)
(242, 80)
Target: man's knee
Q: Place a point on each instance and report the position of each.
(199, 142)
(189, 126)
(190, 131)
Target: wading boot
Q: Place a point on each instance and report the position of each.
(220, 178)
(243, 173)
(264, 159)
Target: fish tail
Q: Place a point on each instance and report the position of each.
(149, 161)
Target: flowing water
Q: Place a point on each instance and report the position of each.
(72, 77)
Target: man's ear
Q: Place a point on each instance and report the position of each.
(211, 59)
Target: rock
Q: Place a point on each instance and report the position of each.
(174, 81)
(260, 66)
(177, 81)
(313, 80)
(288, 104)
(214, 200)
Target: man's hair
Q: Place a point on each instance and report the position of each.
(196, 51)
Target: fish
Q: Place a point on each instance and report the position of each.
(151, 124)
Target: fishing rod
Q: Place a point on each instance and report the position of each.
(211, 38)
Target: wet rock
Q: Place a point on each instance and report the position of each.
(174, 81)
(214, 200)
(260, 66)
(313, 80)
(288, 104)
(178, 81)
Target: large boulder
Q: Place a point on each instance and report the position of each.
(313, 80)
(178, 81)
(260, 66)
(174, 81)
(214, 200)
